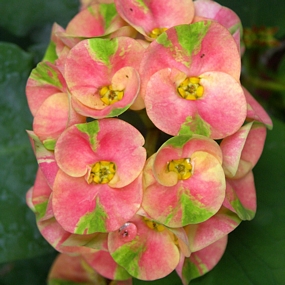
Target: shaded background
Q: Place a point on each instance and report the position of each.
(256, 249)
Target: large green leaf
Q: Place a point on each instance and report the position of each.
(19, 237)
(19, 17)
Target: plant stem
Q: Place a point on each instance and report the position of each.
(264, 84)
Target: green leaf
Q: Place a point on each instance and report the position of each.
(20, 17)
(19, 236)
(32, 271)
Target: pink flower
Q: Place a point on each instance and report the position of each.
(98, 187)
(102, 75)
(190, 77)
(151, 18)
(184, 182)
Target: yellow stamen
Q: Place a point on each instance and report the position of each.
(110, 96)
(156, 32)
(191, 89)
(153, 225)
(182, 167)
(102, 172)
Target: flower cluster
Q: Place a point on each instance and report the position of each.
(113, 201)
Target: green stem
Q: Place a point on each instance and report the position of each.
(264, 84)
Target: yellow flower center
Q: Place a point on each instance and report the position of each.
(110, 96)
(156, 32)
(102, 172)
(153, 225)
(191, 89)
(182, 167)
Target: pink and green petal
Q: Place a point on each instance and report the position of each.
(45, 159)
(40, 197)
(97, 20)
(241, 196)
(126, 79)
(223, 15)
(73, 150)
(53, 233)
(92, 63)
(49, 127)
(103, 263)
(83, 208)
(203, 234)
(44, 81)
(232, 147)
(256, 112)
(193, 49)
(202, 261)
(221, 92)
(145, 16)
(181, 147)
(192, 201)
(242, 150)
(163, 101)
(146, 253)
(73, 269)
(121, 143)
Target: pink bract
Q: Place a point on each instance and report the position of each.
(192, 49)
(81, 206)
(221, 92)
(177, 203)
(202, 261)
(96, 63)
(146, 253)
(145, 16)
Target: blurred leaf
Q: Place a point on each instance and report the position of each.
(20, 17)
(259, 12)
(32, 271)
(19, 236)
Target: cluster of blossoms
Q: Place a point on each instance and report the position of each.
(112, 212)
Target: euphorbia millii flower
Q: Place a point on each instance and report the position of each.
(98, 187)
(241, 151)
(73, 269)
(223, 15)
(202, 261)
(49, 102)
(153, 17)
(184, 182)
(255, 111)
(102, 75)
(190, 77)
(145, 248)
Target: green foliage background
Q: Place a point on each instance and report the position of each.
(256, 249)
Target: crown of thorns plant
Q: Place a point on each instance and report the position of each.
(121, 203)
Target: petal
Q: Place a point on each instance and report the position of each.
(221, 92)
(92, 63)
(145, 253)
(193, 49)
(45, 159)
(84, 208)
(103, 263)
(193, 200)
(47, 126)
(44, 81)
(166, 109)
(203, 234)
(202, 261)
(241, 196)
(256, 112)
(148, 15)
(67, 268)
